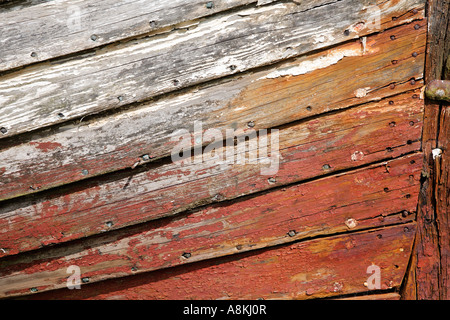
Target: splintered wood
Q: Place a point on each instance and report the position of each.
(88, 115)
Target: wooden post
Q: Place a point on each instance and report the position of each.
(429, 273)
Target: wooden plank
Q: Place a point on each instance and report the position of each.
(427, 259)
(138, 70)
(116, 142)
(442, 193)
(370, 133)
(366, 198)
(319, 268)
(56, 28)
(381, 296)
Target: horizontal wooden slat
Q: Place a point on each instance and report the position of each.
(377, 131)
(117, 142)
(319, 268)
(380, 296)
(125, 73)
(57, 28)
(358, 200)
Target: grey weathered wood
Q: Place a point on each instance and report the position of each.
(59, 27)
(118, 141)
(137, 70)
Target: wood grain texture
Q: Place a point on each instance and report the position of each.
(264, 98)
(318, 268)
(380, 195)
(381, 296)
(427, 260)
(138, 70)
(442, 199)
(370, 133)
(56, 28)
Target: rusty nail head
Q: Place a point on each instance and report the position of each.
(417, 27)
(326, 167)
(415, 54)
(392, 37)
(392, 86)
(347, 32)
(3, 130)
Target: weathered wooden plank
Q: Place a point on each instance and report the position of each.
(366, 198)
(51, 93)
(381, 296)
(55, 28)
(442, 193)
(117, 142)
(319, 268)
(427, 265)
(377, 131)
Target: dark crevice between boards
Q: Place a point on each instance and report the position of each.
(12, 5)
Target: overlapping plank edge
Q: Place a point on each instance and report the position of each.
(339, 141)
(380, 195)
(265, 98)
(317, 268)
(53, 92)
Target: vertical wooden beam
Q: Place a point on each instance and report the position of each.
(429, 274)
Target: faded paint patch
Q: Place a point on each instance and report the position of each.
(46, 146)
(315, 64)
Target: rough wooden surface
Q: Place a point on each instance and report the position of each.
(318, 268)
(86, 178)
(56, 28)
(442, 194)
(363, 135)
(430, 278)
(335, 204)
(111, 77)
(51, 159)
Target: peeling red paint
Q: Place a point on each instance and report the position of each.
(46, 146)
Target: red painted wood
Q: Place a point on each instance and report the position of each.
(318, 268)
(380, 195)
(381, 130)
